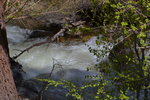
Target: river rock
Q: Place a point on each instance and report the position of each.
(31, 88)
(17, 72)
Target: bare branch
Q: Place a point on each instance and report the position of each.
(27, 49)
(63, 30)
(60, 33)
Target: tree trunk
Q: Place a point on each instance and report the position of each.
(8, 89)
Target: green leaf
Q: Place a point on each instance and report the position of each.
(141, 35)
(124, 23)
(10, 17)
(143, 26)
(117, 17)
(143, 43)
(113, 5)
(133, 28)
(146, 20)
(98, 42)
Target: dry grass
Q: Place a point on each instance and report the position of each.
(22, 8)
(26, 13)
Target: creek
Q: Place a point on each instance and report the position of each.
(72, 59)
(39, 59)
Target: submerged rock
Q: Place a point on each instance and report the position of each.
(31, 88)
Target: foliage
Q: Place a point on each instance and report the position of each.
(127, 27)
(126, 24)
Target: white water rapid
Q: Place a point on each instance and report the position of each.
(72, 59)
(40, 59)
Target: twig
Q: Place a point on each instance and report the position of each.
(8, 7)
(63, 30)
(27, 49)
(125, 38)
(18, 10)
(146, 47)
(60, 33)
(135, 47)
(49, 77)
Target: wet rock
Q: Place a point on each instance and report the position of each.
(31, 88)
(54, 28)
(17, 72)
(39, 34)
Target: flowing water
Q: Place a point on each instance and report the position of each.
(40, 59)
(72, 60)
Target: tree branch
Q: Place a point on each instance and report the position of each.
(58, 34)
